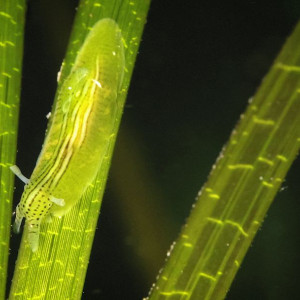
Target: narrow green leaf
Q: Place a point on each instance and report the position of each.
(58, 268)
(11, 53)
(243, 183)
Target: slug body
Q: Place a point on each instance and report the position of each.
(79, 135)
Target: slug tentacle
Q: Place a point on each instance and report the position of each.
(19, 174)
(59, 202)
(18, 220)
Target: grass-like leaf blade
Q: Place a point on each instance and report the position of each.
(58, 268)
(11, 54)
(242, 185)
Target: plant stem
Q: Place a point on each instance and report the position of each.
(11, 54)
(243, 183)
(57, 270)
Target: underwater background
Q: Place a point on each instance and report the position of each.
(198, 64)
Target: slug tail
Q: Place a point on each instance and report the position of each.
(33, 234)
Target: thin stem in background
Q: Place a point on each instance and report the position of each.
(11, 54)
(233, 203)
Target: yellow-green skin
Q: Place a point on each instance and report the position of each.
(81, 127)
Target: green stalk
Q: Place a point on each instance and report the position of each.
(11, 54)
(243, 183)
(57, 270)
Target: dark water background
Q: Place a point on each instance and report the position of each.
(198, 64)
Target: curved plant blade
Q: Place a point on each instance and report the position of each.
(242, 185)
(58, 268)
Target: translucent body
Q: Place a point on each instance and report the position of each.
(82, 123)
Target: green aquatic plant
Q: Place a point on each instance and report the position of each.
(230, 207)
(11, 53)
(59, 268)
